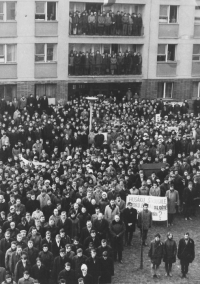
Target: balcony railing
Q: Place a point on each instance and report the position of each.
(168, 30)
(166, 68)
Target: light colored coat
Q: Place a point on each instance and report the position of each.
(172, 200)
(110, 214)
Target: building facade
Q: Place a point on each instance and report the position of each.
(39, 42)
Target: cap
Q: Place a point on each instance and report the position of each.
(105, 253)
(62, 250)
(79, 250)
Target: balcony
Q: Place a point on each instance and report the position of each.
(168, 30)
(45, 70)
(8, 29)
(196, 31)
(167, 69)
(196, 68)
(49, 28)
(8, 71)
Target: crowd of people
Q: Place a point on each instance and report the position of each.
(105, 23)
(90, 63)
(63, 188)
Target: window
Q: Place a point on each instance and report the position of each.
(196, 52)
(7, 11)
(45, 52)
(46, 11)
(8, 53)
(49, 90)
(8, 92)
(168, 14)
(166, 52)
(197, 15)
(165, 90)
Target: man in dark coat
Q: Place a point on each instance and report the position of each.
(59, 264)
(101, 226)
(156, 254)
(65, 223)
(117, 230)
(84, 277)
(31, 252)
(107, 268)
(92, 239)
(186, 253)
(67, 274)
(130, 219)
(78, 260)
(104, 247)
(170, 251)
(188, 201)
(144, 222)
(21, 266)
(46, 257)
(94, 266)
(99, 139)
(39, 272)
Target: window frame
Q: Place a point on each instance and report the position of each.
(45, 11)
(6, 54)
(196, 22)
(194, 60)
(168, 15)
(5, 11)
(5, 91)
(166, 53)
(45, 53)
(164, 90)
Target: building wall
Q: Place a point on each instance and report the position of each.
(28, 34)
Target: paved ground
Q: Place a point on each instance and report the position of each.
(130, 272)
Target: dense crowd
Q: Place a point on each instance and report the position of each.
(63, 189)
(105, 23)
(90, 63)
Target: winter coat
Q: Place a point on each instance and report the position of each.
(94, 268)
(156, 252)
(47, 259)
(101, 228)
(19, 270)
(186, 252)
(69, 276)
(170, 251)
(130, 216)
(75, 228)
(111, 212)
(41, 274)
(32, 254)
(117, 230)
(172, 201)
(77, 262)
(107, 270)
(145, 219)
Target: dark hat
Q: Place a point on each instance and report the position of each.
(62, 250)
(158, 235)
(45, 246)
(105, 253)
(79, 250)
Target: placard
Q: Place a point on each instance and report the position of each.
(157, 205)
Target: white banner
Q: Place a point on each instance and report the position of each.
(172, 128)
(157, 205)
(30, 163)
(158, 117)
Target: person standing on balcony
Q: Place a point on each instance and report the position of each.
(125, 24)
(139, 24)
(113, 64)
(80, 24)
(101, 22)
(120, 63)
(139, 66)
(92, 63)
(113, 25)
(84, 23)
(130, 25)
(87, 64)
(77, 61)
(118, 23)
(75, 23)
(134, 17)
(108, 23)
(91, 22)
(98, 62)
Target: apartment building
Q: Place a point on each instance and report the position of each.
(38, 39)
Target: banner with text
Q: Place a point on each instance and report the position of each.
(157, 205)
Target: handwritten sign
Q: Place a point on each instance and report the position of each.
(157, 205)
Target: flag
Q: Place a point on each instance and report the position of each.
(109, 2)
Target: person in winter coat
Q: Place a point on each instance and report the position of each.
(117, 230)
(101, 22)
(94, 266)
(173, 202)
(130, 220)
(78, 261)
(144, 222)
(46, 257)
(113, 64)
(68, 274)
(26, 279)
(156, 254)
(188, 201)
(103, 202)
(186, 253)
(39, 272)
(107, 268)
(98, 61)
(170, 251)
(21, 266)
(111, 210)
(84, 277)
(75, 232)
(101, 226)
(8, 280)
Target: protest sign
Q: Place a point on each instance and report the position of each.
(172, 128)
(158, 117)
(157, 205)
